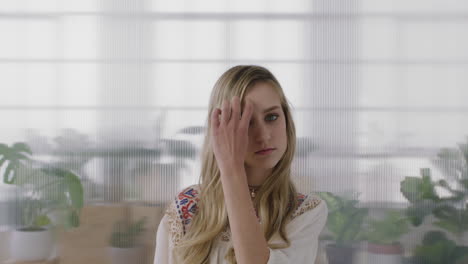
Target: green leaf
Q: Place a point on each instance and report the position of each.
(452, 219)
(387, 230)
(15, 155)
(3, 148)
(21, 147)
(42, 220)
(353, 227)
(75, 190)
(71, 189)
(2, 160)
(409, 187)
(427, 189)
(446, 212)
(333, 202)
(418, 211)
(73, 219)
(344, 219)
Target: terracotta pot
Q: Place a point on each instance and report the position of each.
(385, 254)
(127, 255)
(339, 255)
(31, 245)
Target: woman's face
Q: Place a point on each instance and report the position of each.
(267, 129)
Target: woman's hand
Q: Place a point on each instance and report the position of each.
(229, 133)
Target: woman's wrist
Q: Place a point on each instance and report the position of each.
(233, 175)
(232, 168)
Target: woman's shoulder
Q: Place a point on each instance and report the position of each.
(309, 203)
(189, 193)
(180, 212)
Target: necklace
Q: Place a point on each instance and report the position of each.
(253, 190)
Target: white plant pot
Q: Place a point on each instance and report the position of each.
(127, 255)
(31, 245)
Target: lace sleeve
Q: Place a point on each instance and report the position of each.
(174, 223)
(167, 236)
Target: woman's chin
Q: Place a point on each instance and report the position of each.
(264, 165)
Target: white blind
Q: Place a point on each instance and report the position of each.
(374, 83)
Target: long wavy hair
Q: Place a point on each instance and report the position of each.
(275, 201)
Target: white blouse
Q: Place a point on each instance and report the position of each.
(303, 231)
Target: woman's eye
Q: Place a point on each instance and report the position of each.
(271, 117)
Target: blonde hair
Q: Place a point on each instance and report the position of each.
(275, 201)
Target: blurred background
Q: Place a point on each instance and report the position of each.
(109, 101)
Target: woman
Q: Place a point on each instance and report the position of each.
(245, 208)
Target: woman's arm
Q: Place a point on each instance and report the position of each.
(249, 242)
(229, 140)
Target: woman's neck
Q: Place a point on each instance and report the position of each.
(257, 176)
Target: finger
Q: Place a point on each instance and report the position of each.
(235, 114)
(225, 112)
(247, 113)
(215, 118)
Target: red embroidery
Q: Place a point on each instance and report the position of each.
(186, 203)
(300, 199)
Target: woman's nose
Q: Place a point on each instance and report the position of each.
(262, 132)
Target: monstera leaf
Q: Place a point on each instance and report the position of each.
(13, 158)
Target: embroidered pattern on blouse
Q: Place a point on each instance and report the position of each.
(305, 205)
(180, 213)
(186, 203)
(300, 199)
(175, 225)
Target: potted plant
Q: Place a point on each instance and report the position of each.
(382, 236)
(422, 195)
(437, 249)
(453, 216)
(124, 242)
(451, 212)
(344, 224)
(48, 197)
(453, 220)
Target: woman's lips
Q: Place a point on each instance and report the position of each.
(265, 151)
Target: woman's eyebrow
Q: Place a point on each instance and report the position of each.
(271, 108)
